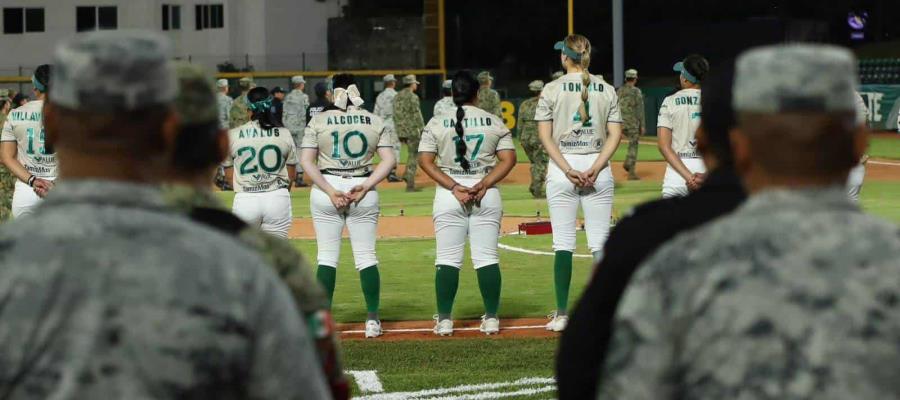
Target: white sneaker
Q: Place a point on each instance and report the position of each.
(373, 329)
(443, 327)
(489, 326)
(557, 322)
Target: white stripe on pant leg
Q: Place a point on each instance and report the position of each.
(328, 224)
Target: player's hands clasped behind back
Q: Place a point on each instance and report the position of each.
(696, 181)
(357, 193)
(583, 179)
(339, 199)
(42, 187)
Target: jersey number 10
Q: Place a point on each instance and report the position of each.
(336, 145)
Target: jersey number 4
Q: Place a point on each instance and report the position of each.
(478, 138)
(336, 144)
(251, 165)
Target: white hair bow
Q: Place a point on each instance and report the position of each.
(351, 94)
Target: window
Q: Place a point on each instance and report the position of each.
(20, 20)
(171, 17)
(209, 16)
(93, 18)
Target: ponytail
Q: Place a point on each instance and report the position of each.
(261, 106)
(465, 90)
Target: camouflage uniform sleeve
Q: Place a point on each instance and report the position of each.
(419, 121)
(400, 115)
(640, 110)
(520, 119)
(496, 109)
(238, 115)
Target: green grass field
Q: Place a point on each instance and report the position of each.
(408, 294)
(881, 147)
(646, 152)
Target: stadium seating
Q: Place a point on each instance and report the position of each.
(879, 71)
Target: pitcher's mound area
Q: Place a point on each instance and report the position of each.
(422, 330)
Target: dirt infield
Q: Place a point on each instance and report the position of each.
(422, 330)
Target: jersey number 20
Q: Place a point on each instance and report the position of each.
(246, 167)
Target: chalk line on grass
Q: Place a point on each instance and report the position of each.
(893, 164)
(498, 395)
(533, 252)
(479, 389)
(367, 381)
(417, 330)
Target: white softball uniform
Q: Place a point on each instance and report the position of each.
(680, 112)
(260, 158)
(25, 126)
(580, 142)
(484, 135)
(346, 143)
(858, 174)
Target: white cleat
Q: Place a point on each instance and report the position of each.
(557, 322)
(443, 327)
(489, 326)
(373, 329)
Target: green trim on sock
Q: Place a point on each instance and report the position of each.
(370, 280)
(327, 277)
(562, 279)
(489, 281)
(446, 283)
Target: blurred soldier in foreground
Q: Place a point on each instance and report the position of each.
(109, 295)
(384, 108)
(238, 114)
(488, 99)
(199, 149)
(631, 104)
(445, 104)
(794, 295)
(7, 179)
(409, 124)
(528, 136)
(295, 105)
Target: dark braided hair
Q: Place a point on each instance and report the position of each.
(261, 105)
(465, 90)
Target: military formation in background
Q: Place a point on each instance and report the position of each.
(408, 122)
(7, 179)
(238, 114)
(488, 98)
(295, 105)
(631, 105)
(531, 142)
(384, 108)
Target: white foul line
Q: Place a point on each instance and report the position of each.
(498, 395)
(884, 163)
(460, 389)
(535, 252)
(414, 330)
(367, 381)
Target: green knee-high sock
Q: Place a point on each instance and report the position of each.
(489, 282)
(327, 276)
(370, 281)
(562, 278)
(446, 283)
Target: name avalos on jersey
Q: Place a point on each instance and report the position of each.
(473, 122)
(256, 133)
(349, 120)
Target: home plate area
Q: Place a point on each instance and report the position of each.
(370, 388)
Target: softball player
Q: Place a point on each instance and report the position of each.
(858, 173)
(23, 149)
(679, 118)
(266, 159)
(466, 152)
(338, 148)
(580, 127)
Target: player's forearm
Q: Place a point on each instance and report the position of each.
(8, 154)
(674, 161)
(384, 168)
(426, 163)
(311, 169)
(545, 133)
(229, 174)
(613, 137)
(292, 172)
(507, 161)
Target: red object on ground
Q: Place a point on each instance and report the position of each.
(535, 228)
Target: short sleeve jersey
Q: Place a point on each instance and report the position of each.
(346, 141)
(560, 101)
(680, 112)
(260, 158)
(25, 126)
(484, 133)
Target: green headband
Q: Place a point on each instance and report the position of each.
(37, 85)
(561, 45)
(262, 105)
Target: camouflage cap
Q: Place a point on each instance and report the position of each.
(409, 79)
(795, 77)
(556, 75)
(196, 101)
(108, 71)
(631, 73)
(536, 86)
(389, 78)
(4, 92)
(246, 83)
(222, 83)
(298, 79)
(484, 76)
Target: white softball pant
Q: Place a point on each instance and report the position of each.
(855, 181)
(24, 200)
(563, 199)
(361, 221)
(453, 223)
(673, 184)
(268, 211)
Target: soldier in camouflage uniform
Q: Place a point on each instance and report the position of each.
(488, 99)
(7, 179)
(224, 104)
(239, 113)
(631, 105)
(528, 136)
(445, 104)
(295, 105)
(556, 75)
(793, 296)
(189, 193)
(107, 294)
(409, 123)
(384, 108)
